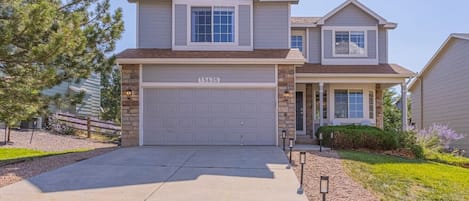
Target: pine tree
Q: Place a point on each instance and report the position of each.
(46, 42)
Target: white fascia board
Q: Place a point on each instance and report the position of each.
(211, 61)
(303, 25)
(353, 75)
(350, 80)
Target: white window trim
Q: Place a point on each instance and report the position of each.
(221, 46)
(374, 104)
(212, 8)
(303, 35)
(334, 54)
(348, 103)
(316, 103)
(348, 60)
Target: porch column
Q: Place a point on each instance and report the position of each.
(286, 101)
(130, 106)
(379, 107)
(321, 103)
(404, 106)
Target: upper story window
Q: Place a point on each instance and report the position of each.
(297, 42)
(213, 24)
(350, 43)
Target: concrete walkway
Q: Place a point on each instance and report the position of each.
(167, 173)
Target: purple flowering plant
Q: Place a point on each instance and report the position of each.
(438, 136)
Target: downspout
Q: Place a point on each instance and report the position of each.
(421, 102)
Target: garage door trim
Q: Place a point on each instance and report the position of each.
(204, 85)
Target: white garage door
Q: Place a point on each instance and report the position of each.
(208, 116)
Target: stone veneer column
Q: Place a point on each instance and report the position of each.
(130, 76)
(379, 107)
(309, 109)
(286, 103)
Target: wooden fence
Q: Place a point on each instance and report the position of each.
(88, 125)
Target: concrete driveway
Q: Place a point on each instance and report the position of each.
(167, 174)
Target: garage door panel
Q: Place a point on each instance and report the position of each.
(201, 116)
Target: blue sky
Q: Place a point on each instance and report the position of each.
(423, 25)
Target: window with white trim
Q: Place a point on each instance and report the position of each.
(371, 105)
(213, 24)
(348, 103)
(350, 43)
(297, 42)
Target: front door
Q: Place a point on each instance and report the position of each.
(299, 111)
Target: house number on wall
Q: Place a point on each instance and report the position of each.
(212, 80)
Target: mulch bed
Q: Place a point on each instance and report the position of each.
(328, 163)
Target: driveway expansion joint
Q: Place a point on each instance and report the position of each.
(170, 176)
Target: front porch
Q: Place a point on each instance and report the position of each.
(347, 98)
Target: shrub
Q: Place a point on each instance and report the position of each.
(353, 136)
(408, 140)
(437, 137)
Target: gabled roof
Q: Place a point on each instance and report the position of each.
(291, 1)
(462, 36)
(314, 21)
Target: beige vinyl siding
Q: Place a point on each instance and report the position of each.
(154, 24)
(351, 15)
(314, 45)
(271, 25)
(383, 45)
(415, 105)
(446, 89)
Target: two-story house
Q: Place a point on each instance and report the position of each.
(239, 72)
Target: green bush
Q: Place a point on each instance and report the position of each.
(354, 136)
(408, 140)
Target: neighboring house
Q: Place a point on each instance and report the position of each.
(440, 93)
(240, 72)
(91, 104)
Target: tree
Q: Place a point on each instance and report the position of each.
(392, 114)
(111, 96)
(46, 42)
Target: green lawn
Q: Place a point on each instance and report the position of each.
(14, 154)
(394, 178)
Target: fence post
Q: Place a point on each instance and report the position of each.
(88, 126)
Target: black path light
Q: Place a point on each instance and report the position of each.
(284, 137)
(302, 162)
(290, 145)
(320, 142)
(34, 128)
(324, 187)
(332, 140)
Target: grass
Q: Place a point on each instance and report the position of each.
(11, 155)
(394, 178)
(447, 158)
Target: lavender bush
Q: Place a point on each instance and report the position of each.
(437, 137)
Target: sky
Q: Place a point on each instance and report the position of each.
(423, 25)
